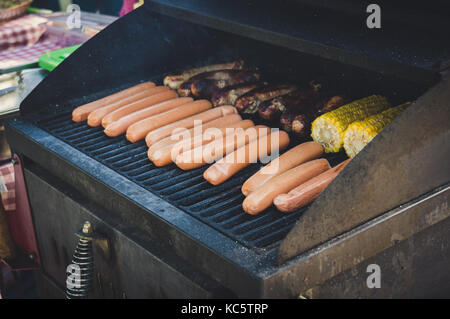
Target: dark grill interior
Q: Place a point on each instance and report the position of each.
(217, 206)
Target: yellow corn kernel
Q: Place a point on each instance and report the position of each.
(329, 128)
(358, 134)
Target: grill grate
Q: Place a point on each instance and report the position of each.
(217, 206)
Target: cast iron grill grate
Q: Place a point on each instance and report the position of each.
(217, 206)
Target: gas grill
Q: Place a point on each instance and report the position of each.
(172, 234)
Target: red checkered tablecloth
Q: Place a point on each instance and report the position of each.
(22, 31)
(28, 54)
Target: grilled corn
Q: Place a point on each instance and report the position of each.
(329, 128)
(360, 133)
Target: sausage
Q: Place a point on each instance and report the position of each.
(185, 87)
(230, 141)
(263, 196)
(206, 87)
(219, 122)
(295, 156)
(138, 106)
(174, 80)
(229, 94)
(271, 109)
(81, 113)
(307, 192)
(301, 123)
(168, 154)
(243, 156)
(249, 102)
(139, 130)
(155, 95)
(120, 125)
(188, 122)
(298, 118)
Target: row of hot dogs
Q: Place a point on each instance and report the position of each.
(169, 121)
(155, 113)
(294, 106)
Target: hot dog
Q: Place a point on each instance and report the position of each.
(188, 122)
(297, 155)
(219, 122)
(81, 113)
(174, 80)
(138, 106)
(307, 192)
(243, 156)
(120, 126)
(263, 196)
(202, 155)
(155, 95)
(166, 155)
(138, 130)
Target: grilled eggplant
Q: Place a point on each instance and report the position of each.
(175, 80)
(206, 87)
(272, 109)
(229, 94)
(250, 101)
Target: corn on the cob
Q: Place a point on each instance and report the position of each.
(328, 129)
(360, 133)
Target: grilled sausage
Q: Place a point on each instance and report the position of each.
(168, 154)
(229, 94)
(188, 122)
(139, 130)
(155, 95)
(202, 155)
(243, 156)
(249, 102)
(218, 75)
(295, 156)
(135, 107)
(298, 119)
(272, 109)
(263, 196)
(307, 192)
(175, 80)
(81, 113)
(206, 87)
(219, 122)
(119, 126)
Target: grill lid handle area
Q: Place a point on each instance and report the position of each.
(407, 159)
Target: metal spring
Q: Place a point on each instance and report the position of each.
(83, 261)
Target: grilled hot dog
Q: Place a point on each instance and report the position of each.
(166, 155)
(295, 156)
(188, 122)
(81, 113)
(307, 192)
(139, 130)
(155, 95)
(119, 126)
(263, 196)
(243, 156)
